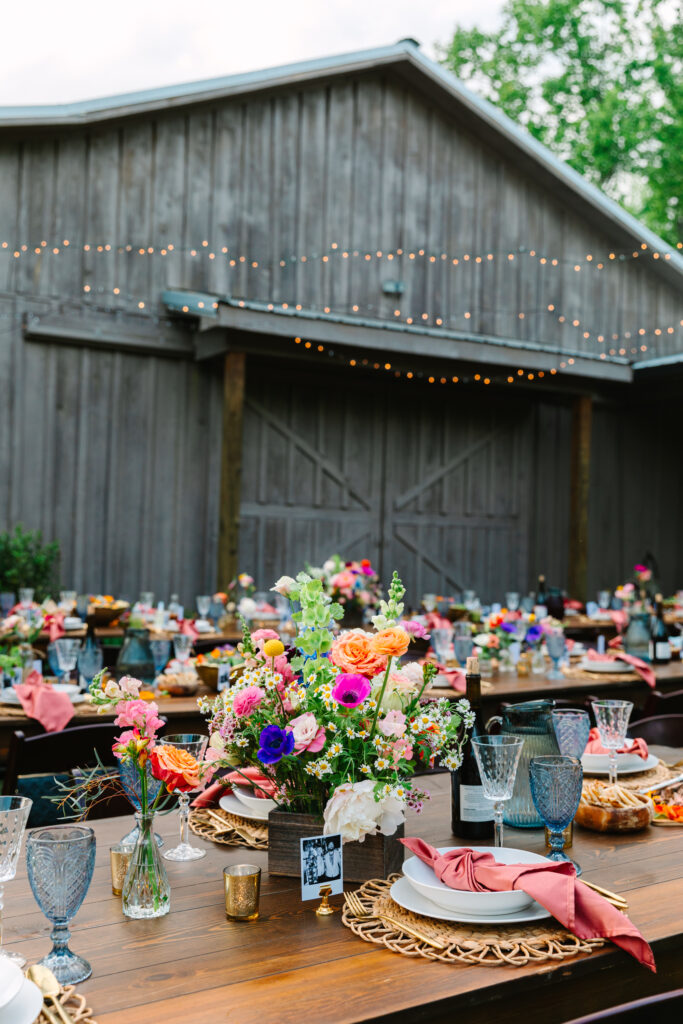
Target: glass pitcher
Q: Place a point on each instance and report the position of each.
(135, 658)
(533, 723)
(637, 636)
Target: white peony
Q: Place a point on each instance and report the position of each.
(284, 585)
(247, 607)
(353, 811)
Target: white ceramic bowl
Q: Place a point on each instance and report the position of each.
(25, 1006)
(424, 881)
(261, 805)
(11, 980)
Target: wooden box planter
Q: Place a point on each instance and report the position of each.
(377, 857)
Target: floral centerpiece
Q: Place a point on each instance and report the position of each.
(335, 725)
(353, 585)
(641, 587)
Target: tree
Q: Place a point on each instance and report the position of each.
(600, 82)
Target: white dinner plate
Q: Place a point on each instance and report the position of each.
(9, 695)
(25, 1006)
(627, 764)
(485, 904)
(614, 665)
(403, 893)
(232, 805)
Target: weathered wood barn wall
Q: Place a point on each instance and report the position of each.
(302, 193)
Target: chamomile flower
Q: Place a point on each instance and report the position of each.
(366, 769)
(350, 731)
(241, 741)
(401, 792)
(382, 763)
(334, 749)
(469, 719)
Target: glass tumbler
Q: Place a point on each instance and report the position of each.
(60, 862)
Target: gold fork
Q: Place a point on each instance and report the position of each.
(358, 910)
(355, 905)
(612, 897)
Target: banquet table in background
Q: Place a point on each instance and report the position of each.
(195, 967)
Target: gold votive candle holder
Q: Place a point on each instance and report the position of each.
(242, 890)
(119, 859)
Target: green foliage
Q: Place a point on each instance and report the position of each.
(600, 82)
(26, 562)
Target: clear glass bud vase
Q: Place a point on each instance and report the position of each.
(146, 890)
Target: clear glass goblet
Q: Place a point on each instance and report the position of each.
(147, 598)
(572, 727)
(429, 602)
(604, 599)
(555, 644)
(194, 744)
(67, 599)
(182, 648)
(14, 812)
(611, 718)
(203, 605)
(555, 781)
(60, 862)
(26, 597)
(90, 661)
(497, 758)
(67, 655)
(441, 644)
(512, 600)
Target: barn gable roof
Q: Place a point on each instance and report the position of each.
(408, 62)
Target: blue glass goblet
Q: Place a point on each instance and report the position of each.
(572, 727)
(555, 645)
(130, 780)
(161, 653)
(60, 862)
(556, 782)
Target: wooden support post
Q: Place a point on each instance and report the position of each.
(579, 493)
(231, 466)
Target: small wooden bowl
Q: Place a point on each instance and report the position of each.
(104, 614)
(208, 675)
(614, 819)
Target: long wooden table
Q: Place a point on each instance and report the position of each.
(195, 967)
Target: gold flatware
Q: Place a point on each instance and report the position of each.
(355, 906)
(613, 897)
(51, 989)
(436, 943)
(225, 827)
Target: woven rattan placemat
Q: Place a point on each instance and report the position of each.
(76, 1006)
(514, 945)
(600, 677)
(228, 829)
(642, 780)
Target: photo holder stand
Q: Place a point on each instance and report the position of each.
(321, 866)
(325, 908)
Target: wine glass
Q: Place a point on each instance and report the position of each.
(429, 602)
(53, 661)
(90, 661)
(60, 861)
(67, 655)
(611, 718)
(26, 596)
(196, 745)
(497, 758)
(182, 648)
(512, 600)
(462, 646)
(441, 644)
(572, 727)
(161, 652)
(203, 605)
(604, 599)
(67, 599)
(14, 812)
(555, 645)
(147, 598)
(555, 781)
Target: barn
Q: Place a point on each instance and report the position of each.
(344, 305)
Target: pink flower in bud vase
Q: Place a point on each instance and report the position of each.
(247, 700)
(308, 735)
(140, 715)
(351, 690)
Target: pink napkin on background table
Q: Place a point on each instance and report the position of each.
(636, 746)
(639, 666)
(55, 626)
(187, 629)
(213, 793)
(554, 885)
(620, 619)
(52, 709)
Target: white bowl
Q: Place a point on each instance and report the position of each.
(424, 881)
(260, 804)
(11, 980)
(25, 1006)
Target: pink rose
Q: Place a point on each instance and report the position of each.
(344, 580)
(308, 735)
(247, 700)
(402, 748)
(260, 636)
(393, 724)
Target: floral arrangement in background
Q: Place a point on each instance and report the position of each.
(335, 724)
(353, 585)
(642, 585)
(226, 654)
(239, 589)
(504, 628)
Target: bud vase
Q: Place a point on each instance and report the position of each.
(146, 891)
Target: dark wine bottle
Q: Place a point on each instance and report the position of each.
(471, 812)
(660, 648)
(541, 595)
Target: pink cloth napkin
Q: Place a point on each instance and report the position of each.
(636, 746)
(187, 629)
(436, 621)
(620, 619)
(213, 793)
(641, 667)
(55, 626)
(52, 709)
(554, 885)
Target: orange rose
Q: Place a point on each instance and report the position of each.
(392, 642)
(353, 651)
(176, 767)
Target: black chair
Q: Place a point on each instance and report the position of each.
(38, 764)
(664, 730)
(652, 1010)
(659, 703)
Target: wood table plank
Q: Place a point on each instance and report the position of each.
(195, 966)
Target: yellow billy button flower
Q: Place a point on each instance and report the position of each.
(273, 648)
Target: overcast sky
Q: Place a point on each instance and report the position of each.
(79, 49)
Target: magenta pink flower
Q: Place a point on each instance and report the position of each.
(141, 715)
(247, 700)
(351, 690)
(415, 628)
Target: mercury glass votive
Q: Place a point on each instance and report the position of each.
(242, 889)
(119, 859)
